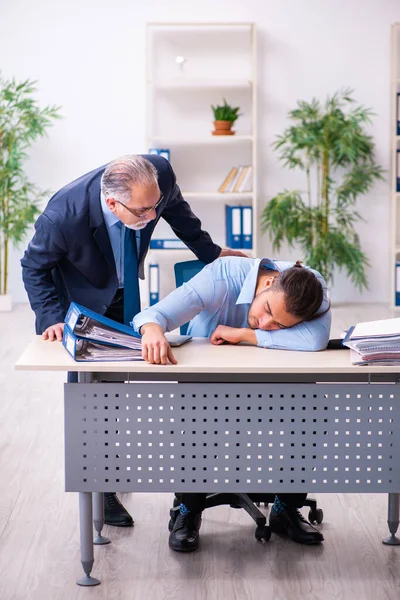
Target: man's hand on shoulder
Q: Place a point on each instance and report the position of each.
(155, 348)
(54, 332)
(230, 252)
(232, 335)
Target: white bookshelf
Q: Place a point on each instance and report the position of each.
(394, 146)
(220, 62)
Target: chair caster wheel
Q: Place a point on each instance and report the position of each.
(316, 516)
(263, 533)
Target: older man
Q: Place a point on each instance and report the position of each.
(90, 244)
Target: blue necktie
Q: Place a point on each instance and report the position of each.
(131, 277)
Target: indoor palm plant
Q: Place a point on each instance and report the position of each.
(329, 143)
(22, 121)
(224, 117)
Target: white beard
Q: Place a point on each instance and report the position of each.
(138, 226)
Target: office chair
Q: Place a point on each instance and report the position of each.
(184, 271)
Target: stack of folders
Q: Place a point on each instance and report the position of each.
(374, 342)
(239, 179)
(89, 336)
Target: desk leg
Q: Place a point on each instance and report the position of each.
(98, 518)
(393, 520)
(86, 530)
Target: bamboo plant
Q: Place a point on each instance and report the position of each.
(330, 145)
(22, 121)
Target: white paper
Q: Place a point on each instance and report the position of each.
(384, 327)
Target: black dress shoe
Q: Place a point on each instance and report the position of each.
(184, 536)
(114, 512)
(291, 523)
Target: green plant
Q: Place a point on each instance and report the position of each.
(21, 123)
(330, 145)
(225, 112)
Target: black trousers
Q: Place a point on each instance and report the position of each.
(196, 502)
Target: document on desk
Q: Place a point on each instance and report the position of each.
(82, 349)
(374, 342)
(88, 324)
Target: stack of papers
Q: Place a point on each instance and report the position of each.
(86, 350)
(374, 342)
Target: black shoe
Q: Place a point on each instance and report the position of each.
(290, 522)
(184, 536)
(114, 512)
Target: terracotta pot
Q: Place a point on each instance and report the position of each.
(223, 128)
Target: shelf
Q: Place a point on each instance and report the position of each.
(225, 195)
(212, 139)
(200, 83)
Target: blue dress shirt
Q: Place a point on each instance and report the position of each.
(116, 233)
(221, 294)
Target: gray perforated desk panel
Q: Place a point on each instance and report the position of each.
(227, 419)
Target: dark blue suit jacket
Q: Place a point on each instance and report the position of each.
(70, 256)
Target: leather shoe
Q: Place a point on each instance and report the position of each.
(114, 511)
(184, 536)
(291, 523)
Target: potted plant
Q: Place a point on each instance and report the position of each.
(21, 123)
(224, 117)
(330, 145)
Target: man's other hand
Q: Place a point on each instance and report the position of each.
(155, 347)
(223, 333)
(230, 252)
(54, 332)
(232, 335)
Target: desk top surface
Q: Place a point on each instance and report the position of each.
(200, 356)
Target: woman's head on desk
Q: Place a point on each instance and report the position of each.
(284, 299)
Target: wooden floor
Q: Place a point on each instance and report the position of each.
(39, 543)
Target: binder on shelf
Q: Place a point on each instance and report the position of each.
(247, 227)
(228, 180)
(82, 349)
(397, 283)
(398, 170)
(85, 323)
(165, 152)
(169, 244)
(398, 113)
(154, 283)
(233, 224)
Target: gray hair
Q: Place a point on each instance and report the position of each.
(123, 173)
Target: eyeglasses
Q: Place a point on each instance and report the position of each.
(143, 212)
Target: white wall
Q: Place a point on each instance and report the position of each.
(89, 57)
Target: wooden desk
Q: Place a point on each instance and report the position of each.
(225, 419)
